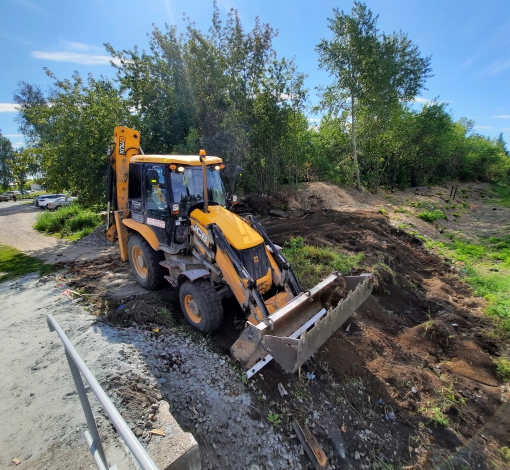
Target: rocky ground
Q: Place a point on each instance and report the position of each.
(421, 342)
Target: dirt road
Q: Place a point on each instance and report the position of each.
(16, 222)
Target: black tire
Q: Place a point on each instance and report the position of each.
(201, 305)
(144, 262)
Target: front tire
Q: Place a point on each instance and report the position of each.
(144, 262)
(201, 305)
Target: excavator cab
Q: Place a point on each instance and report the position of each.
(171, 219)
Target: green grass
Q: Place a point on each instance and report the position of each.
(312, 264)
(71, 222)
(503, 368)
(502, 192)
(14, 263)
(432, 216)
(486, 266)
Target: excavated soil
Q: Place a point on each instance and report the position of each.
(408, 382)
(419, 344)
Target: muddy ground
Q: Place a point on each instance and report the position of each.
(371, 397)
(419, 345)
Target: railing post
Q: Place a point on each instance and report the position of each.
(89, 416)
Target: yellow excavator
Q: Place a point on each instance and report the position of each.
(171, 217)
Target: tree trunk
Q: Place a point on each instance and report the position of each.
(354, 154)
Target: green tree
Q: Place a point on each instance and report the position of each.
(72, 128)
(24, 164)
(6, 156)
(370, 70)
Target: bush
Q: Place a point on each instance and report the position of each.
(432, 216)
(312, 264)
(72, 221)
(503, 369)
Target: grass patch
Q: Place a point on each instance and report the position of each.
(503, 369)
(312, 264)
(14, 263)
(432, 216)
(72, 222)
(486, 266)
(502, 192)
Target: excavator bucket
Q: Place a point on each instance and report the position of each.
(294, 332)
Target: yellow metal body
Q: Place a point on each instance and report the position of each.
(239, 234)
(288, 325)
(191, 160)
(144, 230)
(127, 144)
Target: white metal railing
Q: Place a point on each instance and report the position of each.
(79, 368)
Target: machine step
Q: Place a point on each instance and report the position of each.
(169, 264)
(171, 280)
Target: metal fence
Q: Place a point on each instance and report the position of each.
(79, 368)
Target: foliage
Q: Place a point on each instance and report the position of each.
(228, 91)
(432, 216)
(372, 72)
(274, 419)
(23, 164)
(503, 368)
(6, 156)
(70, 130)
(312, 264)
(69, 222)
(13, 264)
(487, 268)
(438, 417)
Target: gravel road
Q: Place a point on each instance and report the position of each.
(42, 421)
(16, 221)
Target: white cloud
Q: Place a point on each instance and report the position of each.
(502, 116)
(75, 57)
(422, 100)
(13, 135)
(8, 108)
(496, 67)
(78, 46)
(483, 127)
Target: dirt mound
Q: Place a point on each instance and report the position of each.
(420, 346)
(322, 196)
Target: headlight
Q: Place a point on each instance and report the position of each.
(181, 233)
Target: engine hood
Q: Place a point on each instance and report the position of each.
(238, 233)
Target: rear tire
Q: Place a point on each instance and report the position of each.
(144, 262)
(201, 305)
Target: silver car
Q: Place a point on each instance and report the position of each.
(55, 204)
(41, 201)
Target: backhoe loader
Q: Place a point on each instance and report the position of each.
(171, 217)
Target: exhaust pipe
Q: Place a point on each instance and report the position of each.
(204, 178)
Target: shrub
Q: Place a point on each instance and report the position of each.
(71, 221)
(432, 216)
(312, 264)
(503, 369)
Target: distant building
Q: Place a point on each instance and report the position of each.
(35, 187)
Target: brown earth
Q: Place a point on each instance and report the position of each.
(418, 352)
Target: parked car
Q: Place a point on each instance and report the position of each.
(55, 204)
(4, 197)
(10, 194)
(41, 201)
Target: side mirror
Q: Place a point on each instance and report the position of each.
(153, 177)
(232, 199)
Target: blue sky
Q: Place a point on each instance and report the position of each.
(469, 42)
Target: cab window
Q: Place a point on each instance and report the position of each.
(155, 191)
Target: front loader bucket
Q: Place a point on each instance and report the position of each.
(298, 329)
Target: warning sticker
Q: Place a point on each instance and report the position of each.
(156, 222)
